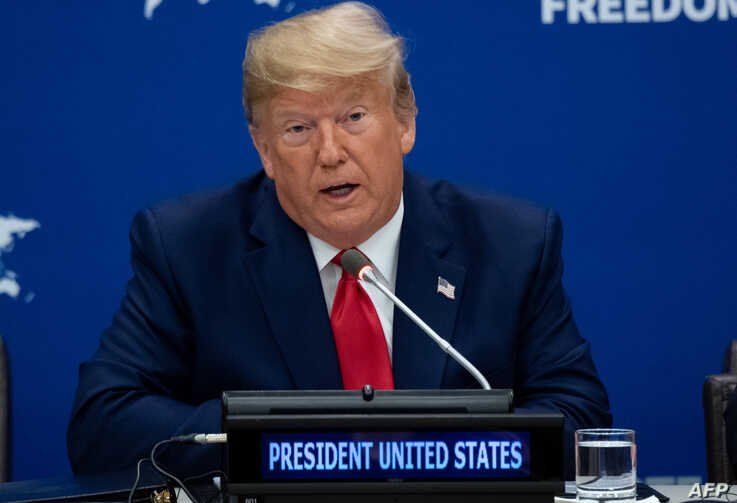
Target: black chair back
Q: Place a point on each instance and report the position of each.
(716, 392)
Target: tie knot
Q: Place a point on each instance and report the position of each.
(336, 259)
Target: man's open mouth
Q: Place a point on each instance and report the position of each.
(340, 190)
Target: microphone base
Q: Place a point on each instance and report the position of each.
(431, 401)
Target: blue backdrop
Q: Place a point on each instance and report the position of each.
(628, 128)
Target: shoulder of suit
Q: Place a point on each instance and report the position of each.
(486, 213)
(210, 213)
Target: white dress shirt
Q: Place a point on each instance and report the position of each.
(382, 249)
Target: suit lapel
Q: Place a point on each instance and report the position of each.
(424, 256)
(288, 282)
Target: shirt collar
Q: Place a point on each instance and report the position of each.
(381, 248)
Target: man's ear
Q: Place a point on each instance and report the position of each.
(262, 147)
(408, 135)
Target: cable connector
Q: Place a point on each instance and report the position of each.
(201, 438)
(211, 438)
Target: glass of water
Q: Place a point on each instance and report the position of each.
(606, 465)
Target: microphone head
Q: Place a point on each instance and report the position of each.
(354, 262)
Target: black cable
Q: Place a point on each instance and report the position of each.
(152, 459)
(211, 473)
(138, 479)
(203, 475)
(168, 474)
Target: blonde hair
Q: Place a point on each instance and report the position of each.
(317, 49)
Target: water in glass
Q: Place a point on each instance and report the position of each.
(606, 468)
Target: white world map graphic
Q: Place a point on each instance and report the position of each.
(12, 229)
(151, 5)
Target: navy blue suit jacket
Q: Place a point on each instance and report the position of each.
(226, 295)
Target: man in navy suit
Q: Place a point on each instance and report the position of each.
(239, 289)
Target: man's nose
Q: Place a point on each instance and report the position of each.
(330, 149)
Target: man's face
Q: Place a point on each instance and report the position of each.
(335, 158)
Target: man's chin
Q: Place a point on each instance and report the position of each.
(345, 236)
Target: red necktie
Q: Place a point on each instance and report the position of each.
(359, 338)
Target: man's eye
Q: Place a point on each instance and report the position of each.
(296, 129)
(356, 116)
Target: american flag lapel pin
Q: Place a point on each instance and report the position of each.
(445, 288)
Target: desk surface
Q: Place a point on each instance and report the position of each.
(46, 489)
(60, 487)
(679, 494)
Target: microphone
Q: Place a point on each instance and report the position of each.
(360, 267)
